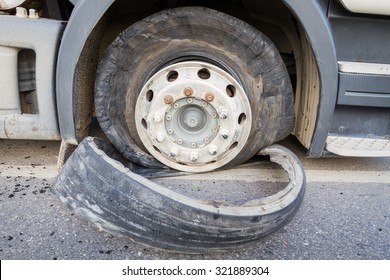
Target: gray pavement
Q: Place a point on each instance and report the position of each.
(345, 213)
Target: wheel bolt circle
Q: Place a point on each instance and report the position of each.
(160, 137)
(213, 150)
(168, 99)
(225, 134)
(174, 152)
(223, 113)
(194, 156)
(188, 91)
(158, 117)
(209, 97)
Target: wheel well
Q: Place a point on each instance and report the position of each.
(274, 19)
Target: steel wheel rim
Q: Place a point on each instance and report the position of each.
(193, 116)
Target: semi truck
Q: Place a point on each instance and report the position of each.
(193, 86)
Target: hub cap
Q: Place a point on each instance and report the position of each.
(193, 116)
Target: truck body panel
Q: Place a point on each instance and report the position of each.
(340, 64)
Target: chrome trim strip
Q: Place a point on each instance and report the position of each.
(364, 68)
(378, 7)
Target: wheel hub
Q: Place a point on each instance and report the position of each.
(193, 116)
(191, 122)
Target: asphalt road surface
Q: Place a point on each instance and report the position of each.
(345, 213)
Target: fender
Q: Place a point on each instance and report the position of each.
(319, 34)
(85, 17)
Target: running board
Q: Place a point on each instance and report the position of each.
(358, 147)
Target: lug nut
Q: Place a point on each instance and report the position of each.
(160, 137)
(213, 150)
(33, 14)
(174, 152)
(194, 157)
(170, 131)
(207, 140)
(190, 100)
(21, 12)
(158, 117)
(168, 117)
(225, 134)
(209, 97)
(168, 99)
(193, 145)
(179, 141)
(223, 113)
(188, 91)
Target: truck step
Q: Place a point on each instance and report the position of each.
(358, 147)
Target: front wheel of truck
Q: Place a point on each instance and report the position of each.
(193, 89)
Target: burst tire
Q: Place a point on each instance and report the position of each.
(193, 34)
(103, 191)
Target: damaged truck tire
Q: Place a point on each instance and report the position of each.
(108, 194)
(194, 88)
